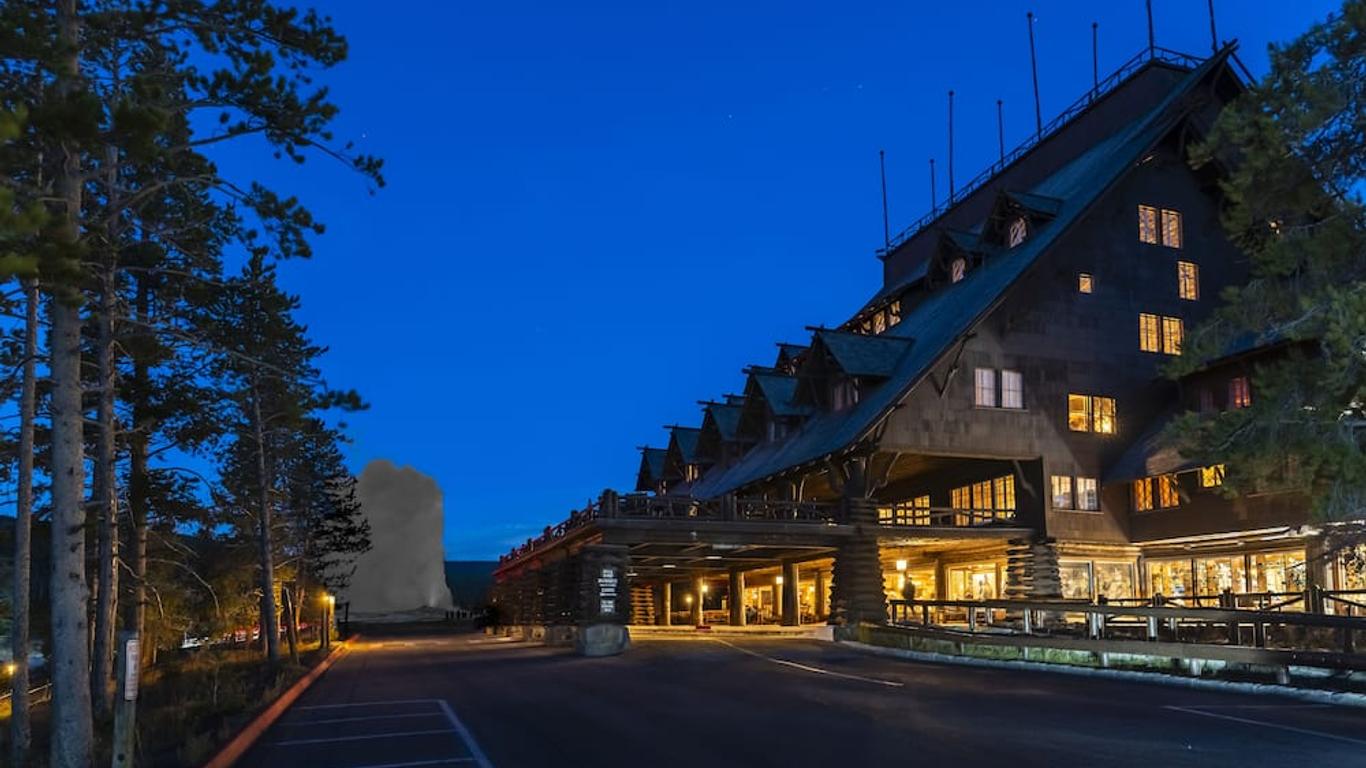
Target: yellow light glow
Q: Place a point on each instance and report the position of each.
(704, 589)
(11, 668)
(901, 565)
(687, 599)
(778, 581)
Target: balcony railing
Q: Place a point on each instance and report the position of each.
(1105, 86)
(944, 517)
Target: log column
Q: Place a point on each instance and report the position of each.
(737, 597)
(666, 599)
(858, 592)
(820, 607)
(697, 584)
(792, 594)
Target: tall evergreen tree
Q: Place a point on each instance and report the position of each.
(1294, 158)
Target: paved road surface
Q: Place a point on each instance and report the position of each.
(469, 700)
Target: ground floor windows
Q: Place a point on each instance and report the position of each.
(1094, 579)
(979, 581)
(1205, 578)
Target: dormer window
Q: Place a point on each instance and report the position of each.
(957, 269)
(843, 394)
(1019, 228)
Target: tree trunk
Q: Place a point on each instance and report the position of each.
(72, 732)
(136, 613)
(269, 628)
(106, 598)
(291, 631)
(23, 522)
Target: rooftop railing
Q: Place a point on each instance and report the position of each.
(1105, 86)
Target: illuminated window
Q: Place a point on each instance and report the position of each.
(1079, 413)
(1062, 492)
(981, 495)
(1087, 498)
(985, 388)
(1085, 283)
(1187, 280)
(960, 498)
(1147, 332)
(879, 322)
(1147, 224)
(957, 270)
(1012, 389)
(1143, 494)
(1163, 333)
(1167, 495)
(994, 497)
(1103, 415)
(1212, 477)
(1239, 393)
(1173, 332)
(1171, 228)
(1018, 229)
(893, 313)
(1004, 488)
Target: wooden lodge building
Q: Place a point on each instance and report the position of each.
(985, 425)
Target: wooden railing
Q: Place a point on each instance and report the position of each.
(1051, 617)
(945, 517)
(787, 511)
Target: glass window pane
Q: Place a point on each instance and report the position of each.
(1062, 492)
(1087, 497)
(1085, 283)
(985, 388)
(1147, 332)
(1172, 332)
(1104, 409)
(1147, 224)
(1076, 580)
(1012, 389)
(1187, 280)
(1079, 413)
(1171, 229)
(1114, 580)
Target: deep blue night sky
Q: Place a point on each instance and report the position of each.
(598, 214)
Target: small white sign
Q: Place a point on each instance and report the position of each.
(130, 669)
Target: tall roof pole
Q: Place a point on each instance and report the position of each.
(1000, 130)
(951, 148)
(1213, 38)
(1151, 42)
(886, 231)
(934, 196)
(1034, 71)
(1095, 58)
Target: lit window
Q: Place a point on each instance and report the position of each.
(1173, 330)
(981, 495)
(1103, 412)
(1012, 389)
(1085, 283)
(1143, 494)
(985, 389)
(1079, 413)
(1147, 224)
(1239, 393)
(1187, 280)
(1147, 332)
(1086, 494)
(1062, 492)
(1167, 496)
(1212, 477)
(893, 313)
(879, 322)
(1018, 229)
(957, 269)
(1171, 228)
(1004, 488)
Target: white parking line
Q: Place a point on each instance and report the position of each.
(1265, 724)
(365, 737)
(362, 719)
(367, 704)
(814, 670)
(478, 754)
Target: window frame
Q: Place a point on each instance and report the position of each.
(1086, 283)
(1171, 214)
(1239, 392)
(1187, 280)
(988, 387)
(958, 269)
(1094, 491)
(1017, 231)
(1173, 335)
(1141, 494)
(1149, 332)
(1149, 231)
(1004, 391)
(1070, 502)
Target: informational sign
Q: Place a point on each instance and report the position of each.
(130, 669)
(607, 591)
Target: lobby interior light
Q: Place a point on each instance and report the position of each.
(900, 566)
(668, 565)
(778, 581)
(704, 589)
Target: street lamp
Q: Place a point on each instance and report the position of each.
(11, 668)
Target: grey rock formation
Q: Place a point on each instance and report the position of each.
(405, 568)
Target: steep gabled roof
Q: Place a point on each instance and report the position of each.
(860, 354)
(942, 316)
(683, 444)
(787, 354)
(778, 390)
(720, 424)
(651, 468)
(1039, 205)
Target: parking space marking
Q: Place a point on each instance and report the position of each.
(362, 719)
(813, 670)
(367, 704)
(1265, 724)
(478, 754)
(364, 737)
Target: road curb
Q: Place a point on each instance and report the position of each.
(231, 752)
(1343, 698)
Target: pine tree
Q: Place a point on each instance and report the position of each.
(1294, 160)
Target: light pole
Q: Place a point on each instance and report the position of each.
(330, 601)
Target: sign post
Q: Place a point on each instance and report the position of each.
(125, 704)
